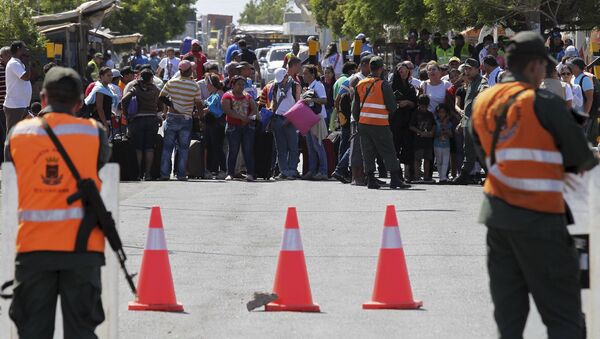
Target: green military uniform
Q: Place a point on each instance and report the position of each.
(531, 251)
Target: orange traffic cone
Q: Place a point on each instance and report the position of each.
(155, 285)
(392, 286)
(291, 280)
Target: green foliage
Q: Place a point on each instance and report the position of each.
(264, 12)
(369, 16)
(157, 20)
(54, 6)
(16, 24)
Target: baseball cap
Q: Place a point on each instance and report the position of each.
(196, 42)
(366, 59)
(376, 62)
(556, 34)
(63, 79)
(185, 65)
(280, 74)
(454, 59)
(235, 53)
(244, 64)
(470, 62)
(116, 73)
(360, 36)
(98, 55)
(571, 51)
(577, 62)
(527, 44)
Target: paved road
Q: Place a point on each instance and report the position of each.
(224, 239)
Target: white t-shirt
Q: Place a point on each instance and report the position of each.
(171, 66)
(436, 94)
(577, 104)
(415, 82)
(568, 91)
(494, 76)
(319, 89)
(18, 92)
(286, 103)
(334, 61)
(116, 91)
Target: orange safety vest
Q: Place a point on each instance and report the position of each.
(528, 171)
(46, 221)
(373, 111)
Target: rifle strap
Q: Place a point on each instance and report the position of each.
(500, 123)
(90, 220)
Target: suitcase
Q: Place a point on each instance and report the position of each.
(263, 154)
(196, 165)
(123, 153)
(331, 158)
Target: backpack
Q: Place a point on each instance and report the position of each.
(596, 94)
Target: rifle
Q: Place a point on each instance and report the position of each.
(95, 211)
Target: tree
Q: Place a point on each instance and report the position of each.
(16, 24)
(264, 12)
(370, 16)
(157, 20)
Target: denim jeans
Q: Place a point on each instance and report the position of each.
(317, 158)
(345, 142)
(215, 138)
(240, 136)
(286, 142)
(177, 130)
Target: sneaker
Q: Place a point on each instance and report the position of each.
(291, 177)
(307, 176)
(221, 175)
(182, 179)
(339, 177)
(249, 178)
(229, 178)
(261, 299)
(443, 182)
(428, 181)
(281, 177)
(164, 179)
(320, 177)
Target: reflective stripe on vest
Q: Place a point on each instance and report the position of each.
(532, 185)
(528, 172)
(373, 111)
(67, 129)
(528, 154)
(50, 215)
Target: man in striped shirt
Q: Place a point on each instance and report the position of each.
(4, 57)
(180, 94)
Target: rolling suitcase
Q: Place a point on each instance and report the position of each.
(123, 153)
(331, 158)
(263, 154)
(196, 165)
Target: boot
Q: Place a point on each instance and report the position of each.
(358, 177)
(397, 182)
(372, 181)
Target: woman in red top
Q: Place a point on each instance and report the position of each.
(241, 113)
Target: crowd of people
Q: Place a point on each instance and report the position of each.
(428, 94)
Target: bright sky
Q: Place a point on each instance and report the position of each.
(227, 7)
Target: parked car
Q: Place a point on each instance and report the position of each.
(274, 60)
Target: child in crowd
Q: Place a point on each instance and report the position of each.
(423, 124)
(441, 141)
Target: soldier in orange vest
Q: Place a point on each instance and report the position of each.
(372, 105)
(51, 259)
(528, 140)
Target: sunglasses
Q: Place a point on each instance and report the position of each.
(565, 74)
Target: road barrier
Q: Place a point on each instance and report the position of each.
(109, 175)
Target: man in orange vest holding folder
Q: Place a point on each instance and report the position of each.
(52, 257)
(373, 102)
(528, 140)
